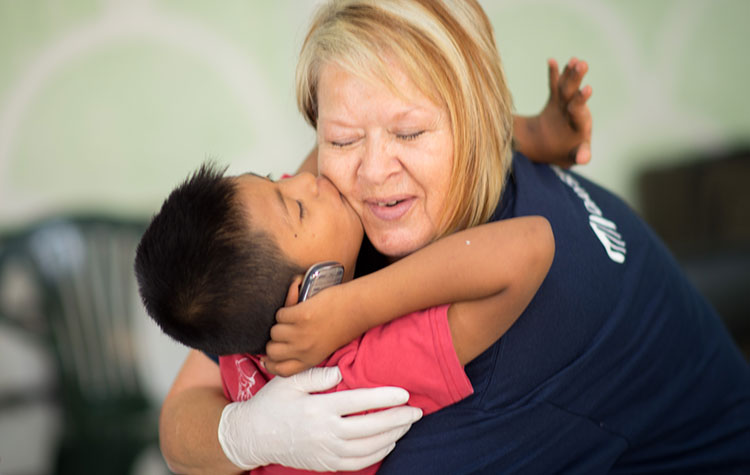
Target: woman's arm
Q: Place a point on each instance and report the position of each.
(201, 432)
(189, 421)
(487, 260)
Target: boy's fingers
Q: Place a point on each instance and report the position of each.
(278, 351)
(584, 93)
(284, 368)
(282, 333)
(565, 78)
(554, 76)
(570, 81)
(579, 112)
(290, 314)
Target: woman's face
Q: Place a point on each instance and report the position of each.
(391, 157)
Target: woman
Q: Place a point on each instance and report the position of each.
(617, 364)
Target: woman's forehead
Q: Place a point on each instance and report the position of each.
(341, 93)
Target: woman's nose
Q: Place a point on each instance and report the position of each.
(377, 162)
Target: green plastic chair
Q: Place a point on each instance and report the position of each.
(82, 268)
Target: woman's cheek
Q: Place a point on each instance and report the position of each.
(342, 173)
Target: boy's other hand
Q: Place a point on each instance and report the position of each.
(561, 133)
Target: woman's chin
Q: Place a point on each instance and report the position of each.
(396, 245)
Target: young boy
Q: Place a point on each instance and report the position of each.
(225, 253)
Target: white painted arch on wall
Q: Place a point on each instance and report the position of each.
(120, 21)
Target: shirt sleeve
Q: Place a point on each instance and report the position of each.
(414, 352)
(212, 357)
(242, 376)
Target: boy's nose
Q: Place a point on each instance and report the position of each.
(304, 183)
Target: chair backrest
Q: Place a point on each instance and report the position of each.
(83, 267)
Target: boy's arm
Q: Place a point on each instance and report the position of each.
(501, 261)
(477, 324)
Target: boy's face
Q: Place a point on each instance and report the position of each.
(307, 217)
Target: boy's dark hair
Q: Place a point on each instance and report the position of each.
(207, 277)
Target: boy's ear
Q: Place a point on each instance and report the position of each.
(293, 294)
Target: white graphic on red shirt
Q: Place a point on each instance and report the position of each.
(245, 381)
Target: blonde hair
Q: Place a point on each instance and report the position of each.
(447, 49)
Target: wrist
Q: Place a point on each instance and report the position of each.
(527, 135)
(228, 436)
(353, 308)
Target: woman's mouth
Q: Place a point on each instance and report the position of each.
(390, 209)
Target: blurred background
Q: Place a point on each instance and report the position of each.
(105, 105)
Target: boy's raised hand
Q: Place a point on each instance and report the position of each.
(306, 333)
(561, 133)
(567, 110)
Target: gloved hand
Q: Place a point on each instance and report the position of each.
(284, 424)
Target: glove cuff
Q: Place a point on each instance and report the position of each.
(228, 439)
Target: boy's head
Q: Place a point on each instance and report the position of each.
(217, 261)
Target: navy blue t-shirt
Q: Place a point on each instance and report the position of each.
(616, 366)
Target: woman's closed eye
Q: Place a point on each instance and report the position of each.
(411, 136)
(344, 142)
(301, 210)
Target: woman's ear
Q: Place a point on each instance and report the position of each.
(293, 294)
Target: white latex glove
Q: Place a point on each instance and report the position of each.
(284, 424)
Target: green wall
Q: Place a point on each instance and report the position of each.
(105, 105)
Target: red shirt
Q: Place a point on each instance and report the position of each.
(414, 352)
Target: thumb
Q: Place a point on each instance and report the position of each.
(583, 154)
(317, 379)
(293, 293)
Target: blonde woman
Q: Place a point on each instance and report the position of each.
(616, 365)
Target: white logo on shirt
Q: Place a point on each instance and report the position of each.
(604, 229)
(245, 382)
